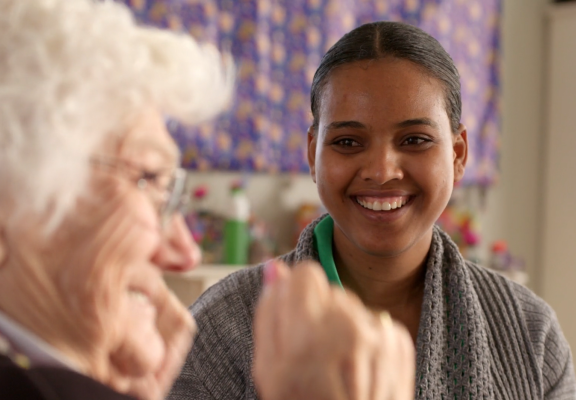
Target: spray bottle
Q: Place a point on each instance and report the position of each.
(236, 229)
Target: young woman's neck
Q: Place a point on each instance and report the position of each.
(394, 283)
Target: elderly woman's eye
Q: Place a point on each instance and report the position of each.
(150, 177)
(158, 180)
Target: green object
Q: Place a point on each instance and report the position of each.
(236, 242)
(323, 234)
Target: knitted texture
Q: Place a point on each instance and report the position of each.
(481, 336)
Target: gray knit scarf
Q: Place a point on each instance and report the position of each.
(453, 354)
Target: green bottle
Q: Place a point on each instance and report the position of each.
(236, 229)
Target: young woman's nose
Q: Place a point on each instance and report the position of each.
(178, 250)
(381, 164)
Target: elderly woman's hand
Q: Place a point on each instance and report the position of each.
(314, 341)
(174, 324)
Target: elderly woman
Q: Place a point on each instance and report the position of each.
(89, 219)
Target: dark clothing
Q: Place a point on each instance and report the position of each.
(47, 383)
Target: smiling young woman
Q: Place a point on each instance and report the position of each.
(385, 149)
(385, 160)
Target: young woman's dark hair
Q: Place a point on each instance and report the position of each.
(382, 39)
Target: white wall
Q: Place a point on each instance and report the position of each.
(533, 205)
(559, 227)
(514, 205)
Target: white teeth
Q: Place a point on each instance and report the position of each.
(382, 206)
(139, 296)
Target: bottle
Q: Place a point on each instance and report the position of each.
(236, 229)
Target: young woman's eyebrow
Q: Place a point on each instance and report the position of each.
(418, 121)
(344, 124)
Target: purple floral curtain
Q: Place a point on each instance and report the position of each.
(278, 44)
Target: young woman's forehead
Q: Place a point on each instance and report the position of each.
(394, 88)
(389, 71)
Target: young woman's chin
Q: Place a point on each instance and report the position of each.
(385, 247)
(383, 233)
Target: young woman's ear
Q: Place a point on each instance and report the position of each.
(460, 152)
(312, 139)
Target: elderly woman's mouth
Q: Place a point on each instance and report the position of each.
(139, 296)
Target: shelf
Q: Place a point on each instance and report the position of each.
(188, 286)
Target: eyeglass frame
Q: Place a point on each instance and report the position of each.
(177, 194)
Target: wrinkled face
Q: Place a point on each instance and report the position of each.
(149, 148)
(107, 259)
(384, 157)
(146, 248)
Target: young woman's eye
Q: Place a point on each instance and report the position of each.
(347, 143)
(415, 141)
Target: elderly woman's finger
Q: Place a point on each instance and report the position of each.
(309, 287)
(385, 360)
(267, 314)
(305, 299)
(355, 342)
(266, 327)
(405, 371)
(393, 367)
(178, 329)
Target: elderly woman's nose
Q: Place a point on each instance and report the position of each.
(381, 165)
(178, 250)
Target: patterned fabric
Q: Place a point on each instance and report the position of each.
(481, 336)
(278, 44)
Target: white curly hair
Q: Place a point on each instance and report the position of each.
(74, 71)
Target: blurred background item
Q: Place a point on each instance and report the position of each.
(236, 228)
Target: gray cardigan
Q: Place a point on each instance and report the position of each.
(481, 336)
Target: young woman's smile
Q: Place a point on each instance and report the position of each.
(384, 156)
(383, 205)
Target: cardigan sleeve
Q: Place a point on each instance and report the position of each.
(219, 365)
(191, 382)
(550, 347)
(559, 379)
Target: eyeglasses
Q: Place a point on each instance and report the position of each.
(169, 189)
